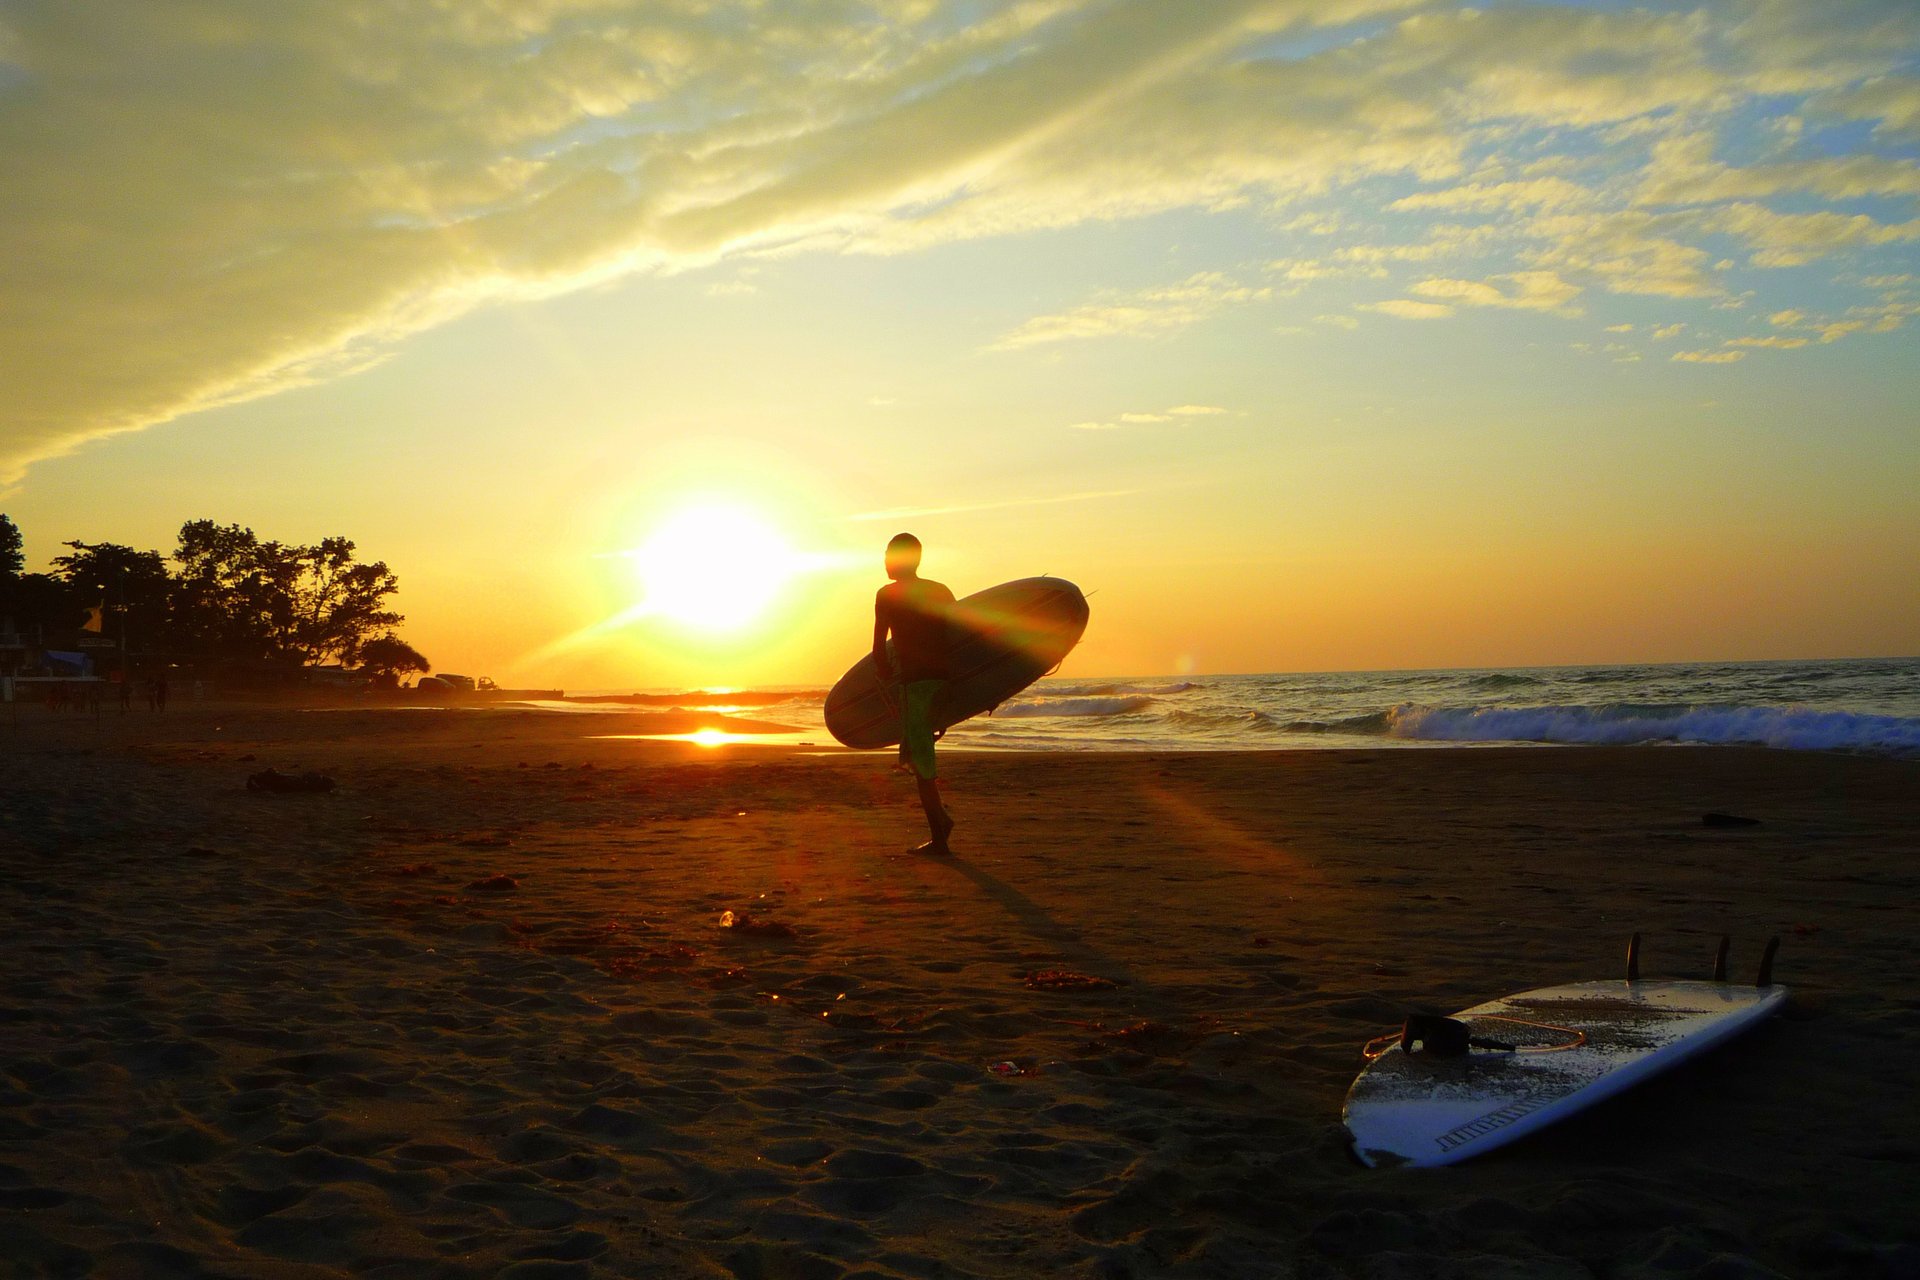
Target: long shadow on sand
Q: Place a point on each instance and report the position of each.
(1036, 920)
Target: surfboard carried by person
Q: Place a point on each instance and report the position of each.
(916, 613)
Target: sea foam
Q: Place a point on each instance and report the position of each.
(1793, 728)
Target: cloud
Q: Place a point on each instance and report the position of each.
(209, 200)
(1793, 239)
(1668, 330)
(1892, 102)
(1788, 344)
(1148, 311)
(1137, 418)
(1499, 197)
(1710, 357)
(1786, 319)
(1408, 309)
(1683, 171)
(1625, 251)
(1298, 272)
(1526, 290)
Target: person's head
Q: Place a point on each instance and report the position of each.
(903, 556)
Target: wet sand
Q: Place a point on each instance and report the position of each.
(474, 1012)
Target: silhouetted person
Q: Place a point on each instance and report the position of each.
(916, 612)
(160, 694)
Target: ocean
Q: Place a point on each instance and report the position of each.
(1860, 705)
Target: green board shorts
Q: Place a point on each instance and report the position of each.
(916, 714)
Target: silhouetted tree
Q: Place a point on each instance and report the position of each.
(242, 597)
(34, 602)
(388, 657)
(39, 603)
(12, 562)
(224, 597)
(339, 605)
(134, 586)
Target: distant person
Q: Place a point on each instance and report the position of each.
(126, 693)
(160, 694)
(915, 611)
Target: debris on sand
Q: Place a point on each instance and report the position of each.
(1067, 980)
(745, 925)
(289, 783)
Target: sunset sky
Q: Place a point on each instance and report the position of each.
(1305, 335)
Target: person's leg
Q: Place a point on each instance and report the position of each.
(939, 822)
(918, 741)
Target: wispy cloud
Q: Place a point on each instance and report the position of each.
(1525, 290)
(1137, 418)
(1409, 309)
(1709, 357)
(1147, 311)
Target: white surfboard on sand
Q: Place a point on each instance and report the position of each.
(1571, 1047)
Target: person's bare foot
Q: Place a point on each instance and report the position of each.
(942, 828)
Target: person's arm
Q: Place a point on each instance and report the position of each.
(880, 637)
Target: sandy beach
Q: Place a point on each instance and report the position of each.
(475, 1012)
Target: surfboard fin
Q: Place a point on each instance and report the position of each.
(1720, 959)
(1765, 978)
(1633, 958)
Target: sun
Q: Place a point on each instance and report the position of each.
(713, 567)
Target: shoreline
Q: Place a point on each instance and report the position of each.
(693, 730)
(322, 1036)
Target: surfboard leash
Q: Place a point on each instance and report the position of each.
(1444, 1037)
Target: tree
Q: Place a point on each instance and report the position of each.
(12, 562)
(389, 657)
(134, 586)
(27, 600)
(338, 604)
(223, 598)
(245, 598)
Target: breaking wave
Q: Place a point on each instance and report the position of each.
(1120, 690)
(1076, 707)
(1221, 721)
(1791, 728)
(1365, 723)
(1501, 680)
